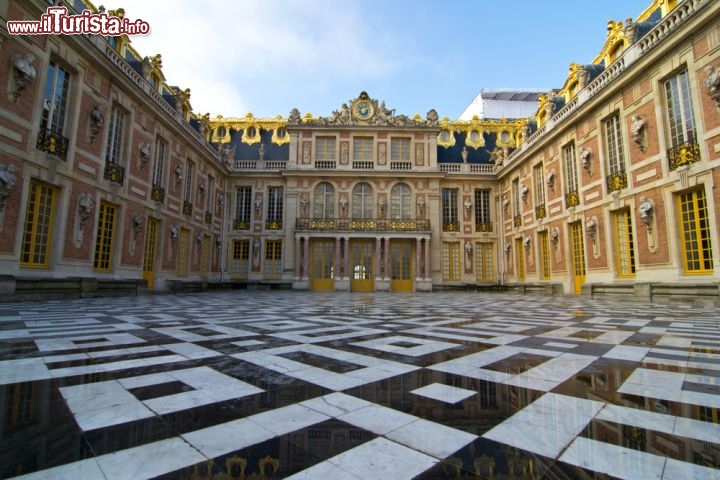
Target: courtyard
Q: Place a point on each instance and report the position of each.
(281, 384)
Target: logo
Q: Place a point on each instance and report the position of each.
(57, 22)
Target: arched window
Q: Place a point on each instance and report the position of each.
(362, 198)
(324, 201)
(400, 202)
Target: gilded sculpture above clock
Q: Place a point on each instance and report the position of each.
(364, 110)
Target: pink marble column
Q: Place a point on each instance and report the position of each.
(306, 258)
(348, 273)
(378, 257)
(418, 257)
(427, 258)
(336, 272)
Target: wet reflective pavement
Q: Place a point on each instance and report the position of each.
(272, 384)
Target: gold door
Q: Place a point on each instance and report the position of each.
(148, 274)
(362, 265)
(204, 257)
(519, 260)
(402, 253)
(578, 255)
(322, 273)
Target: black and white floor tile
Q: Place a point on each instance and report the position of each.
(276, 384)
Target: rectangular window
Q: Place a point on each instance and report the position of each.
(516, 199)
(157, 190)
(21, 402)
(617, 178)
(695, 232)
(679, 109)
(624, 244)
(483, 222)
(484, 262)
(324, 148)
(243, 208)
(451, 261)
(107, 218)
(363, 149)
(187, 192)
(400, 149)
(210, 195)
(539, 176)
(273, 260)
(113, 151)
(450, 210)
(708, 414)
(183, 249)
(240, 261)
(544, 255)
(488, 394)
(614, 145)
(275, 208)
(158, 171)
(56, 99)
(37, 231)
(572, 195)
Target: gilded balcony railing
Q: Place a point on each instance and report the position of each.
(273, 224)
(115, 173)
(540, 212)
(484, 226)
(208, 217)
(362, 225)
(240, 224)
(683, 154)
(572, 199)
(187, 208)
(157, 193)
(51, 142)
(616, 181)
(517, 221)
(451, 226)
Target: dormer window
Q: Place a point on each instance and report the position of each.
(615, 52)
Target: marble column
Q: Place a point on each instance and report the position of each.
(338, 259)
(427, 259)
(348, 253)
(378, 257)
(418, 258)
(388, 271)
(306, 257)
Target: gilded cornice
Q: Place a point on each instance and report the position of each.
(250, 128)
(508, 132)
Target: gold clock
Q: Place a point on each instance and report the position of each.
(363, 110)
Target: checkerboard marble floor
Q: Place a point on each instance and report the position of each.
(274, 384)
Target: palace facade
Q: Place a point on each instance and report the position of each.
(110, 183)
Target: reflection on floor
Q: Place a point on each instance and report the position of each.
(254, 385)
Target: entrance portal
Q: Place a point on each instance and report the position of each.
(402, 253)
(362, 258)
(322, 272)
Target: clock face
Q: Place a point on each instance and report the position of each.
(363, 110)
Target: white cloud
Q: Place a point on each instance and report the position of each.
(229, 53)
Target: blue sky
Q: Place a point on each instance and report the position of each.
(269, 56)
